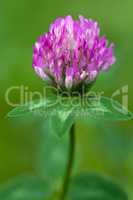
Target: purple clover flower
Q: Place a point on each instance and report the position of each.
(72, 53)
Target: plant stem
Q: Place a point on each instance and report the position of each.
(70, 162)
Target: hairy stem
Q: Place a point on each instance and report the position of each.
(70, 162)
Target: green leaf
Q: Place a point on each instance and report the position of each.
(40, 107)
(61, 121)
(25, 187)
(57, 110)
(94, 187)
(103, 108)
(52, 156)
(62, 112)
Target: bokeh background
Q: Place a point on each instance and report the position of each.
(106, 148)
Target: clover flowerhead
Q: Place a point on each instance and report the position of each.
(72, 53)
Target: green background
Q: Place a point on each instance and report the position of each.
(105, 148)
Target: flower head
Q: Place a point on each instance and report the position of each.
(72, 53)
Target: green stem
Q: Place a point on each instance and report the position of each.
(70, 162)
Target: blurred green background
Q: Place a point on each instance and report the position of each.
(105, 148)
